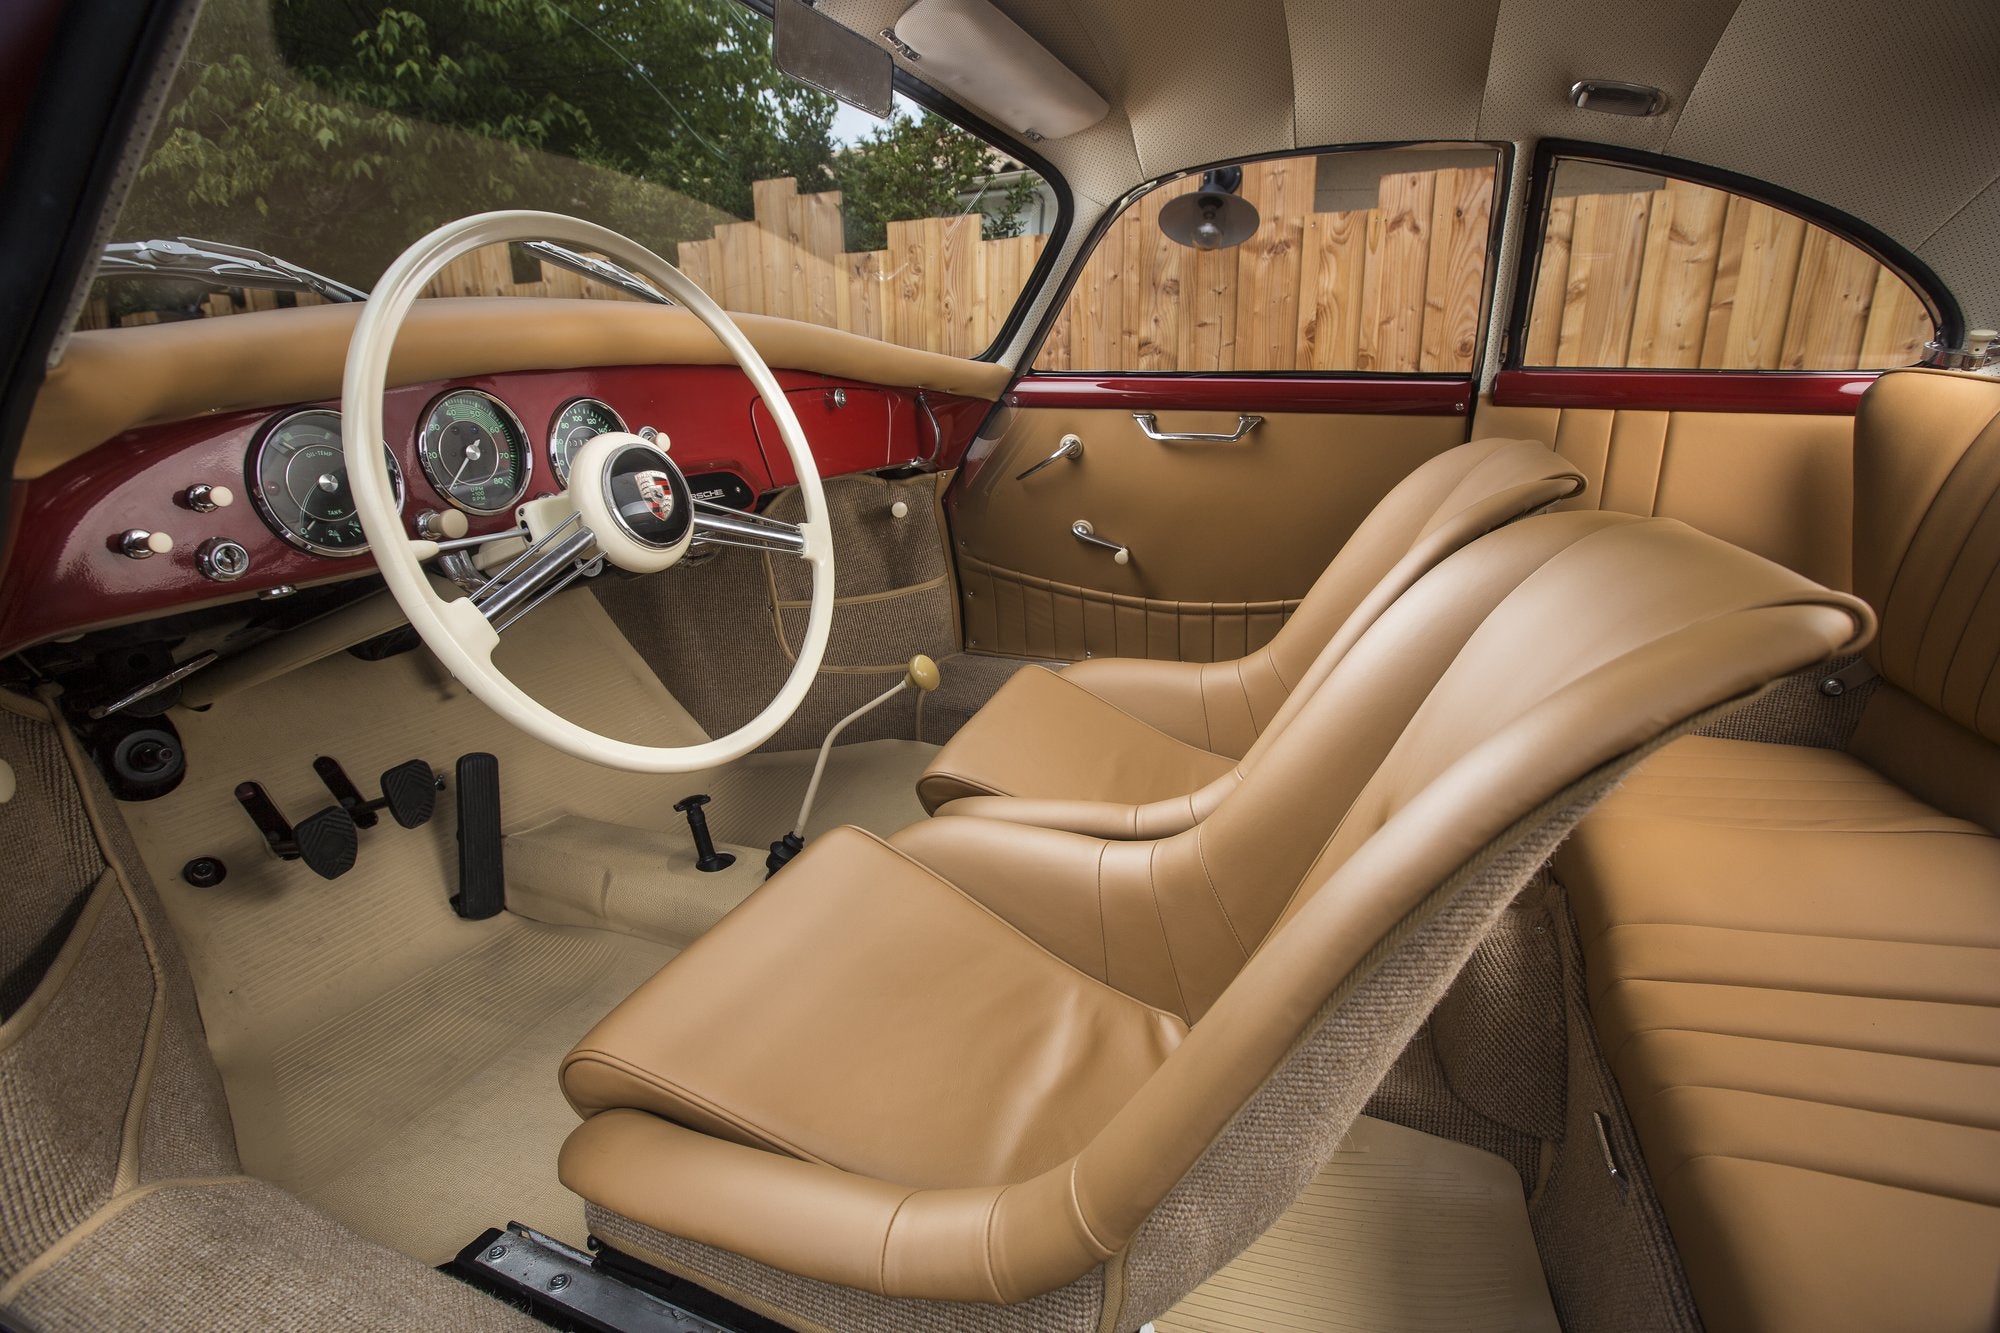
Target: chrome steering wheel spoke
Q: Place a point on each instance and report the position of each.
(544, 568)
(720, 525)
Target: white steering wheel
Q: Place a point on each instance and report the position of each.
(626, 502)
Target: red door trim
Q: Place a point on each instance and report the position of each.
(1394, 396)
(1811, 392)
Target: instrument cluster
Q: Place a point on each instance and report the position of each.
(469, 444)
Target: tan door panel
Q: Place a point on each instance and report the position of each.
(1223, 537)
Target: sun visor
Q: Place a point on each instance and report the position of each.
(981, 57)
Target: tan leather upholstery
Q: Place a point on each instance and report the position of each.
(1086, 740)
(1779, 485)
(1793, 955)
(867, 1077)
(111, 380)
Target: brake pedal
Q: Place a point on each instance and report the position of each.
(482, 880)
(326, 841)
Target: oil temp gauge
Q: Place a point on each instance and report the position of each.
(576, 423)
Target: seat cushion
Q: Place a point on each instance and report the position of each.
(1046, 736)
(789, 1027)
(1794, 969)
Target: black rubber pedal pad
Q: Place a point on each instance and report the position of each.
(328, 842)
(411, 790)
(482, 879)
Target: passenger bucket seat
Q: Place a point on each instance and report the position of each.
(989, 1076)
(1122, 747)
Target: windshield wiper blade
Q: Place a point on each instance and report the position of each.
(589, 266)
(221, 265)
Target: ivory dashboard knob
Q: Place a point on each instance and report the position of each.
(206, 499)
(140, 544)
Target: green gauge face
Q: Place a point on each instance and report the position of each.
(577, 423)
(298, 479)
(474, 451)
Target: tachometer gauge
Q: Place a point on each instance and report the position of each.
(298, 479)
(475, 451)
(577, 422)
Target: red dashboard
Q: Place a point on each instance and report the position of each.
(66, 571)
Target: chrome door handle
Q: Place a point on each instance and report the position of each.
(1083, 532)
(1071, 447)
(1245, 423)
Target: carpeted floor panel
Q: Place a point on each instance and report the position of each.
(1402, 1232)
(390, 1062)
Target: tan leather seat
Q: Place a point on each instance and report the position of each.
(1793, 954)
(1120, 747)
(1068, 1077)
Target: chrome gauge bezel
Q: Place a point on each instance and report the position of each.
(254, 483)
(442, 485)
(558, 466)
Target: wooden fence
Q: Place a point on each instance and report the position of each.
(1690, 277)
(1681, 276)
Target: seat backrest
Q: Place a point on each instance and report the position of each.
(1426, 780)
(1927, 558)
(1439, 507)
(1312, 921)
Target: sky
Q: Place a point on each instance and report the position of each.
(851, 124)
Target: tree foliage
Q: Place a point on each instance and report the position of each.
(334, 132)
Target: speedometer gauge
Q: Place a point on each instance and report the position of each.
(577, 422)
(475, 451)
(298, 479)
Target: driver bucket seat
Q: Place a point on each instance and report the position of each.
(1121, 747)
(987, 1076)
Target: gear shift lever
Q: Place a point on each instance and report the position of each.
(922, 675)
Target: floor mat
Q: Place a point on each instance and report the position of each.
(1402, 1232)
(388, 1061)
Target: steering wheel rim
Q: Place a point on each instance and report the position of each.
(455, 629)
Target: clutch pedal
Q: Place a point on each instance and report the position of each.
(327, 841)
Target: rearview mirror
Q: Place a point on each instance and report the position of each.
(830, 56)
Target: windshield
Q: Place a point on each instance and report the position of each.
(329, 134)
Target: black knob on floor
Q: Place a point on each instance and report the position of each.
(205, 872)
(706, 857)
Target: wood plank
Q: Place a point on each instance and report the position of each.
(742, 271)
(1754, 277)
(957, 255)
(1333, 251)
(1208, 331)
(902, 314)
(1830, 300)
(1135, 301)
(866, 293)
(1898, 325)
(1168, 267)
(1392, 281)
(1101, 304)
(1269, 267)
(1455, 276)
(1677, 279)
(1551, 281)
(1607, 249)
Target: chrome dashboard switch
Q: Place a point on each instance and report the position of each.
(140, 544)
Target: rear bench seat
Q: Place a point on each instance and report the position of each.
(1793, 954)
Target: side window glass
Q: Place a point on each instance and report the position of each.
(1360, 261)
(1651, 272)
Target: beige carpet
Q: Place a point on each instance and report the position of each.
(383, 1058)
(1402, 1232)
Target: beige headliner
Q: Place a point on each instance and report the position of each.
(114, 379)
(1890, 112)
